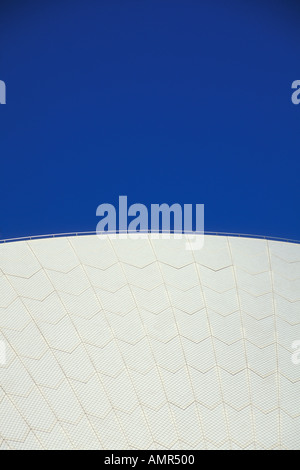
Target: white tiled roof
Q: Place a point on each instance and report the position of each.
(125, 344)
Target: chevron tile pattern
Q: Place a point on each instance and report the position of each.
(142, 344)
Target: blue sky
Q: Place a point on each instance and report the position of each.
(162, 101)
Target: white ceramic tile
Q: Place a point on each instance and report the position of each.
(161, 326)
(45, 371)
(85, 305)
(57, 439)
(207, 387)
(136, 427)
(149, 388)
(74, 282)
(36, 411)
(63, 257)
(92, 396)
(138, 357)
(63, 403)
(194, 327)
(18, 259)
(15, 316)
(109, 432)
(36, 287)
(12, 424)
(178, 387)
(76, 365)
(49, 310)
(82, 435)
(110, 279)
(162, 426)
(214, 424)
(147, 277)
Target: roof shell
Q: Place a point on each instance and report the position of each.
(139, 343)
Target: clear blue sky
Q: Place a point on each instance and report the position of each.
(163, 101)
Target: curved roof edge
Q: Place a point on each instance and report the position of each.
(74, 234)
